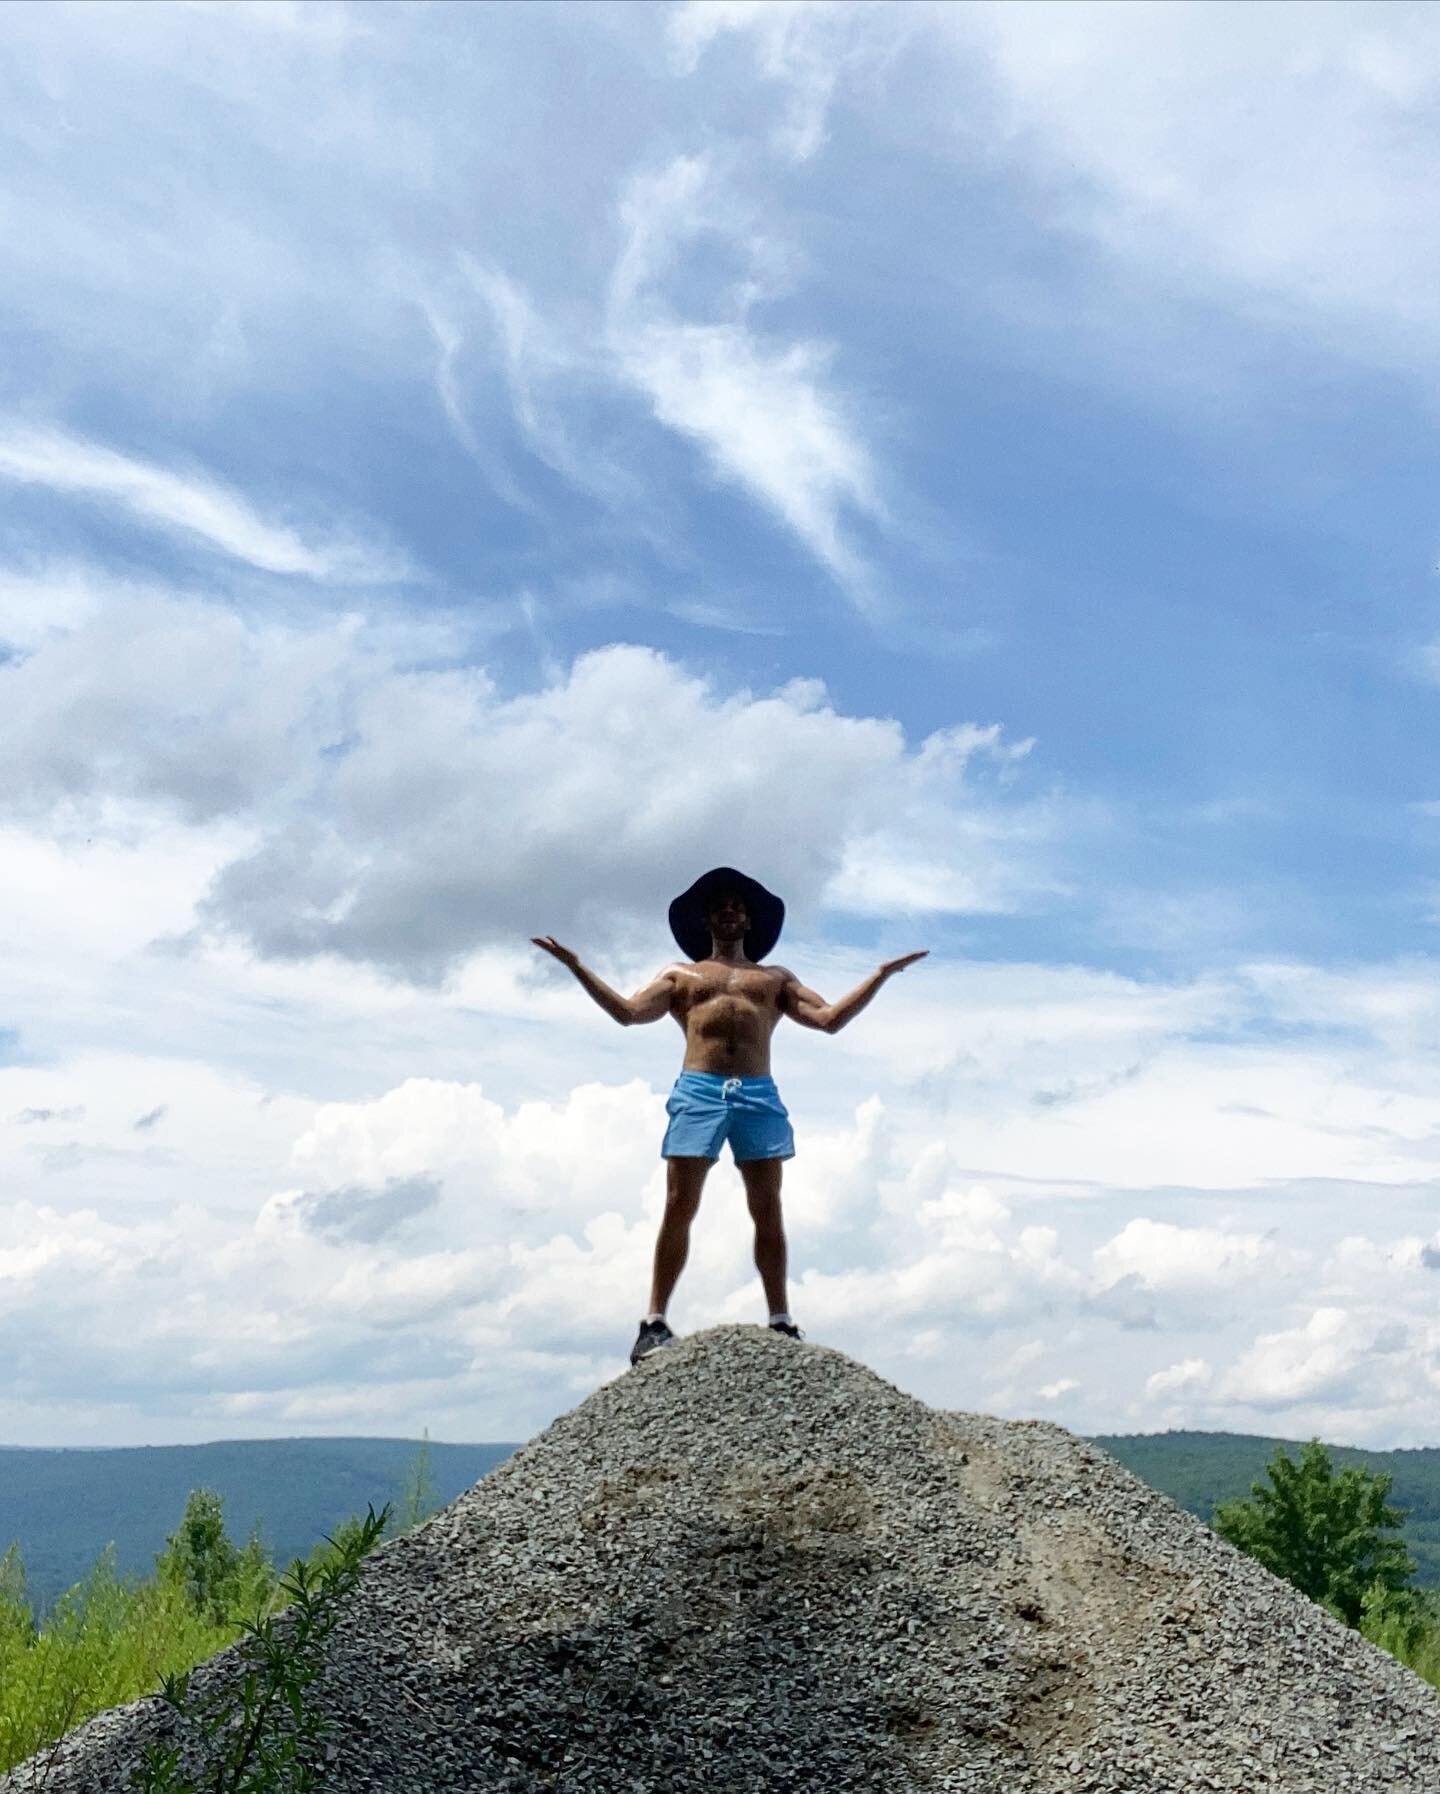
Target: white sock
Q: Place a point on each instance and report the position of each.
(659, 1315)
(781, 1317)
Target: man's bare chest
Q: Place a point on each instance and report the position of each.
(747, 987)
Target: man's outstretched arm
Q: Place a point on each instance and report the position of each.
(812, 1011)
(647, 1005)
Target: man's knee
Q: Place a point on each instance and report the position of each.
(765, 1213)
(682, 1194)
(681, 1207)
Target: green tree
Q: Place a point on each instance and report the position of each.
(1331, 1534)
(15, 1616)
(201, 1557)
(419, 1502)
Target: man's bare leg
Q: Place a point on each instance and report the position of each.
(685, 1178)
(762, 1192)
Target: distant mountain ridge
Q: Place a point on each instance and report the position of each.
(63, 1504)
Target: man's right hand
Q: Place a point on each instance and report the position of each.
(555, 950)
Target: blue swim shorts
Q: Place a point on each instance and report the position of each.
(706, 1110)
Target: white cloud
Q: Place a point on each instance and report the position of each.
(806, 47)
(44, 601)
(484, 1252)
(190, 503)
(1399, 1004)
(550, 373)
(1336, 1355)
(943, 853)
(599, 1145)
(156, 701)
(406, 816)
(1051, 1392)
(1188, 1260)
(706, 614)
(1190, 1373)
(1376, 1268)
(1280, 156)
(765, 411)
(1297, 1364)
(1101, 1185)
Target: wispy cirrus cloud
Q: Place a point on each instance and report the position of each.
(191, 504)
(804, 47)
(764, 410)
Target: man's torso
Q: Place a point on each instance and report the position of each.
(728, 1013)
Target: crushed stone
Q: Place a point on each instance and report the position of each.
(752, 1566)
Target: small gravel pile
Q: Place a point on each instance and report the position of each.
(751, 1566)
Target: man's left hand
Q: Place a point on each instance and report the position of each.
(906, 959)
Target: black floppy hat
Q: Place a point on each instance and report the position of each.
(691, 929)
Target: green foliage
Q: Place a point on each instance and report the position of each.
(419, 1502)
(1203, 1470)
(200, 1559)
(1406, 1623)
(1328, 1532)
(264, 1736)
(106, 1641)
(110, 1640)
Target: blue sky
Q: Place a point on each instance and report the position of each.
(464, 469)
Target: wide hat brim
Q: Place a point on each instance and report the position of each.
(689, 925)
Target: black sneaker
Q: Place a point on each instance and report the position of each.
(788, 1328)
(653, 1335)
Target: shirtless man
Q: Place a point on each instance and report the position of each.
(728, 1006)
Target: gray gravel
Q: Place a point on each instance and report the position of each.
(751, 1566)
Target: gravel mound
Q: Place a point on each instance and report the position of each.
(751, 1566)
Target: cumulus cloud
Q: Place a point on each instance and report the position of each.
(406, 816)
(506, 1170)
(414, 1243)
(1110, 1190)
(166, 701)
(1336, 1355)
(1182, 1260)
(1190, 1373)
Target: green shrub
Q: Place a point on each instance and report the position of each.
(1329, 1533)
